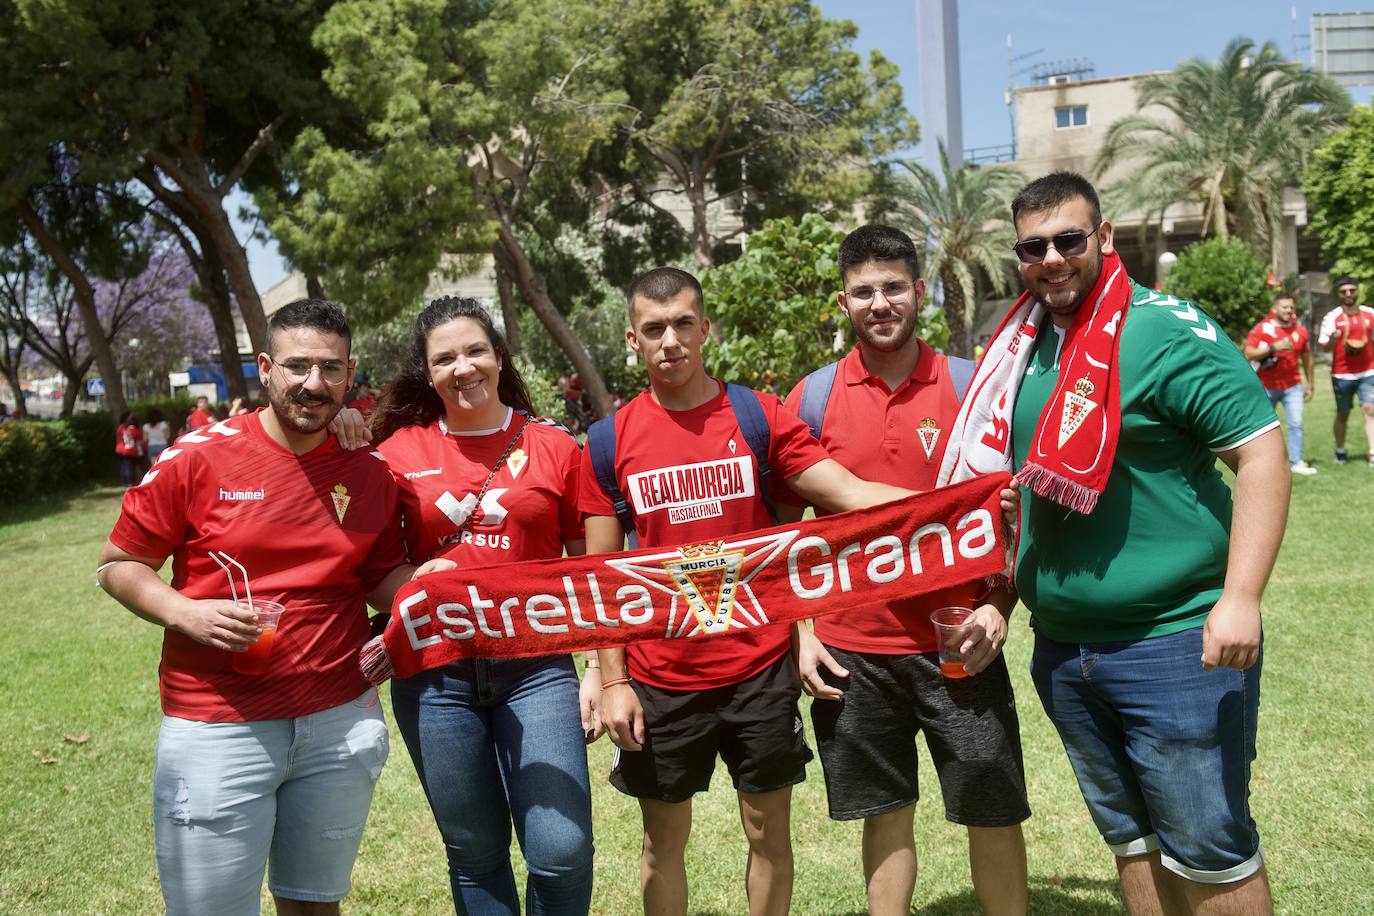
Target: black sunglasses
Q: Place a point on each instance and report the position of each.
(1069, 245)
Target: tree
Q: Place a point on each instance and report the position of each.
(962, 218)
(1233, 134)
(1224, 277)
(464, 131)
(774, 308)
(762, 102)
(1340, 196)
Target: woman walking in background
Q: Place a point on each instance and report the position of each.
(156, 433)
(129, 448)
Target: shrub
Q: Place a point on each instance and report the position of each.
(94, 435)
(38, 458)
(174, 410)
(1224, 277)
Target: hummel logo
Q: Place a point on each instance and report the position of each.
(242, 495)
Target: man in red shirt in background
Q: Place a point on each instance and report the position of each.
(1347, 333)
(1279, 343)
(276, 767)
(876, 672)
(200, 414)
(679, 703)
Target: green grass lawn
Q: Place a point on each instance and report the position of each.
(78, 730)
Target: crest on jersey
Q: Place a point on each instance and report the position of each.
(929, 434)
(517, 461)
(341, 500)
(1076, 409)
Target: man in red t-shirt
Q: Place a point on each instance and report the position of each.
(1347, 333)
(876, 672)
(679, 703)
(275, 766)
(200, 415)
(1278, 344)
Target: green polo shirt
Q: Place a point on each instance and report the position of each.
(1151, 558)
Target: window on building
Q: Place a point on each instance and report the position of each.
(1071, 116)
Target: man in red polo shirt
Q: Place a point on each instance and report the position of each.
(1279, 344)
(875, 672)
(275, 767)
(680, 703)
(1347, 333)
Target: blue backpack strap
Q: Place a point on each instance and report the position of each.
(960, 373)
(815, 395)
(601, 447)
(754, 425)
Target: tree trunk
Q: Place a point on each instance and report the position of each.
(701, 230)
(20, 410)
(221, 307)
(508, 316)
(956, 316)
(313, 287)
(72, 390)
(85, 303)
(593, 386)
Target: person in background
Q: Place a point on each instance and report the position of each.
(129, 448)
(1278, 345)
(201, 415)
(1347, 333)
(237, 408)
(156, 434)
(364, 399)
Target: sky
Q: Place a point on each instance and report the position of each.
(1116, 38)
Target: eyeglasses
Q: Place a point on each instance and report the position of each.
(298, 371)
(1069, 245)
(892, 292)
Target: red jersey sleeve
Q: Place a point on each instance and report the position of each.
(793, 449)
(1254, 338)
(388, 551)
(781, 491)
(153, 518)
(569, 506)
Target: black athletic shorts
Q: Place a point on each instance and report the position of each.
(754, 726)
(868, 740)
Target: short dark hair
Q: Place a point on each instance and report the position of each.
(662, 284)
(1345, 281)
(877, 243)
(1051, 191)
(1282, 295)
(317, 314)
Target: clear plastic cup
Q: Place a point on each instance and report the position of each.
(951, 627)
(257, 658)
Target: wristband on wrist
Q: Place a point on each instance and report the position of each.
(615, 682)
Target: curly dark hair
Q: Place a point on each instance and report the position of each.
(409, 400)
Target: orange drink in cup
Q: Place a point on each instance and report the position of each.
(257, 658)
(951, 628)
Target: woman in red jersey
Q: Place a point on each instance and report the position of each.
(494, 741)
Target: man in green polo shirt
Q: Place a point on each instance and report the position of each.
(1146, 606)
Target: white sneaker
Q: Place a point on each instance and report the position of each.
(1303, 468)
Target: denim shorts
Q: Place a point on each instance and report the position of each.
(1346, 390)
(1161, 748)
(232, 798)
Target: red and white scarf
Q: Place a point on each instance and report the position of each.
(1071, 453)
(828, 565)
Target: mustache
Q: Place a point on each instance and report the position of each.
(311, 400)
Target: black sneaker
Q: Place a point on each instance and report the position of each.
(1341, 457)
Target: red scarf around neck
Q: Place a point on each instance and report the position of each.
(1071, 454)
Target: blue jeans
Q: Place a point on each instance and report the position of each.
(1292, 400)
(495, 740)
(1161, 748)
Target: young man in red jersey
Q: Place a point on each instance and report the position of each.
(1280, 344)
(1347, 333)
(277, 767)
(201, 414)
(672, 706)
(875, 673)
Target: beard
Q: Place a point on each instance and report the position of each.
(889, 339)
(302, 411)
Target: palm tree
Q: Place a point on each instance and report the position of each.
(964, 218)
(1234, 134)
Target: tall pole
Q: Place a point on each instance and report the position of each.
(937, 42)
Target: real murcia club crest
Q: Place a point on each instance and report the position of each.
(1076, 409)
(929, 434)
(707, 575)
(517, 461)
(341, 500)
